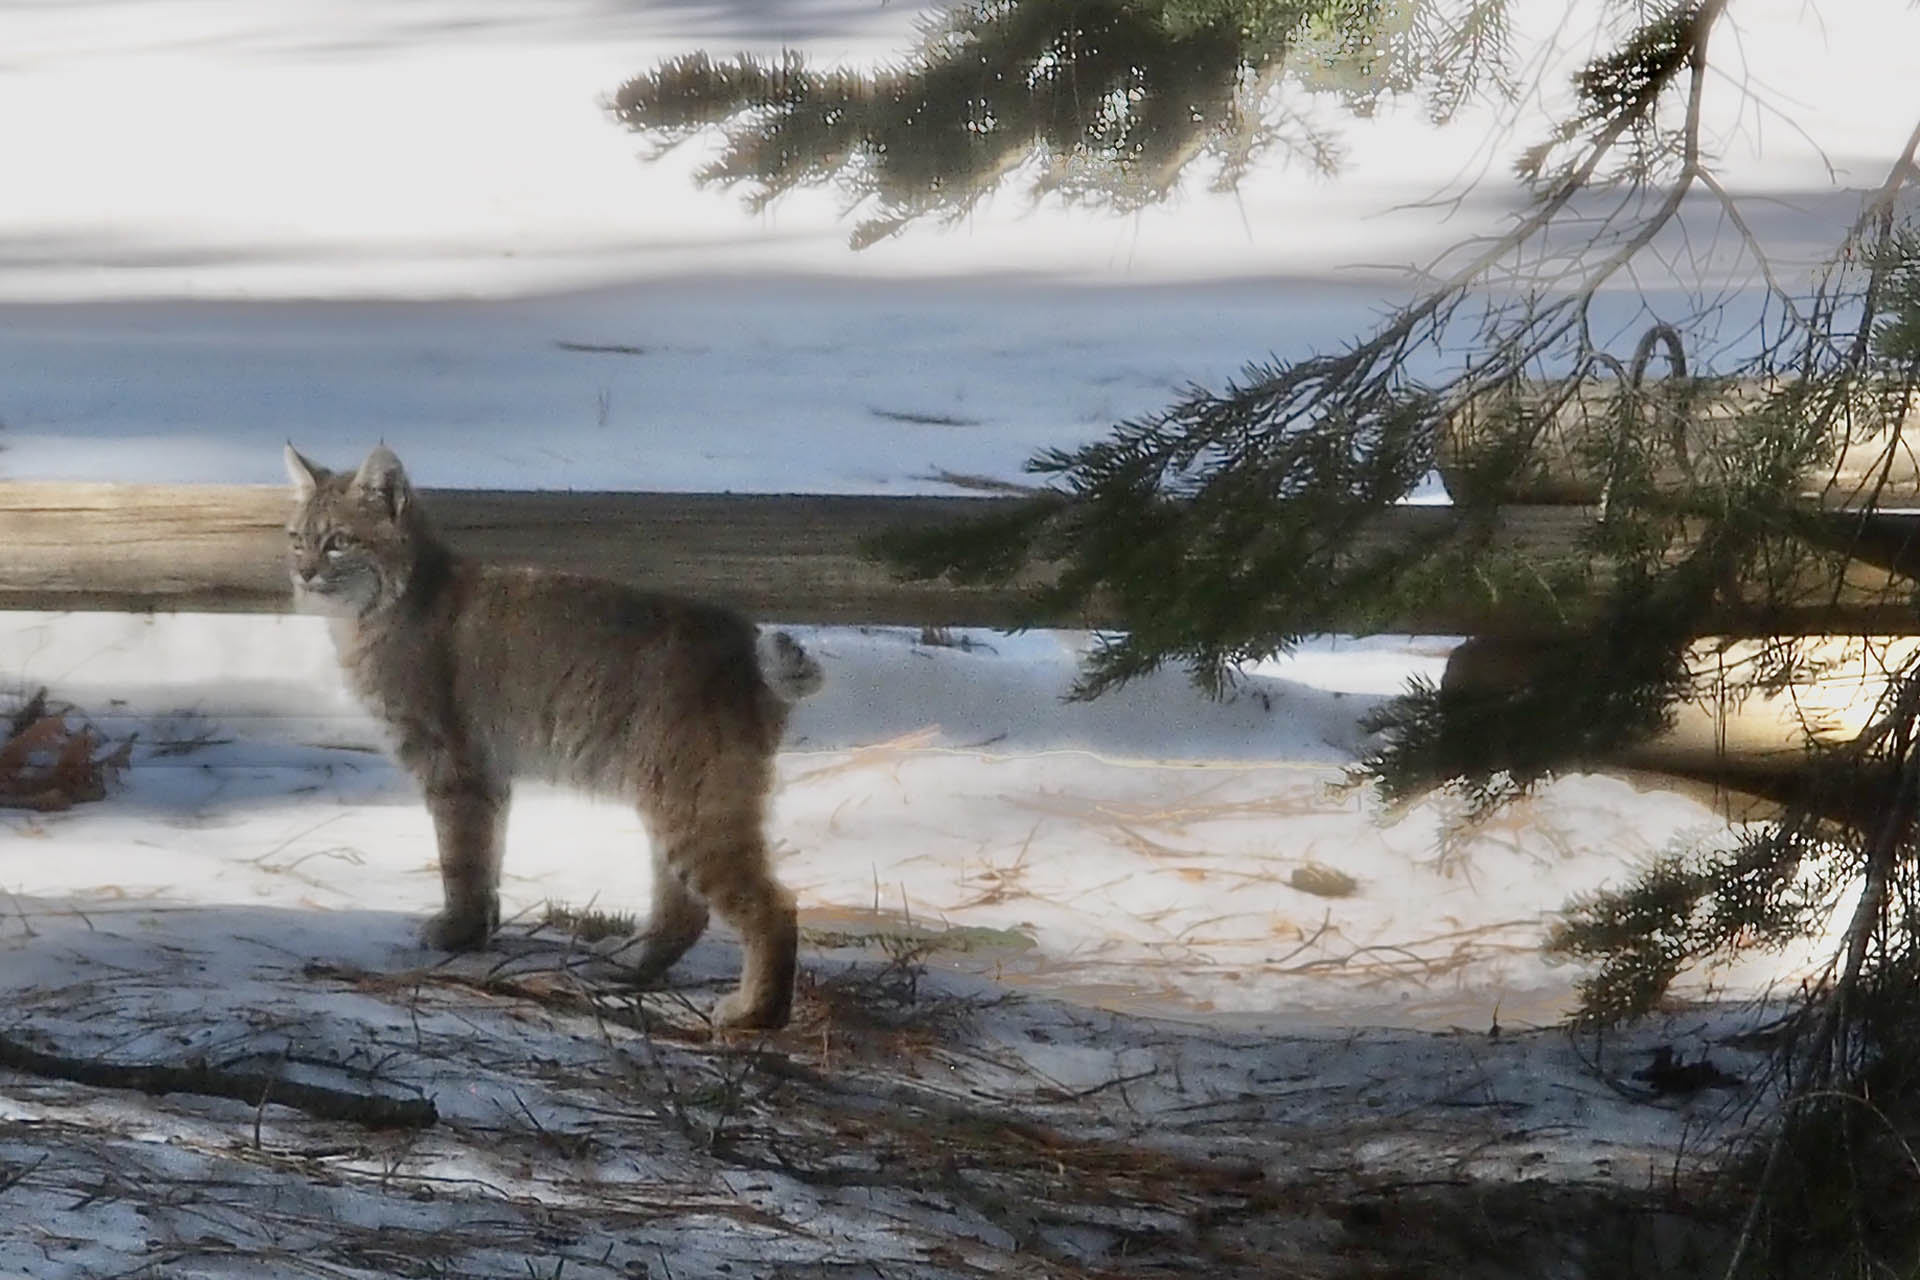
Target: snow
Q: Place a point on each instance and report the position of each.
(349, 221)
(1139, 850)
(1079, 915)
(1047, 944)
(689, 386)
(354, 148)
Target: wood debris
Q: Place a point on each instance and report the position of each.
(48, 764)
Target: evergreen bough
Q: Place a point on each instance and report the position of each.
(1238, 520)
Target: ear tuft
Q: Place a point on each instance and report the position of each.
(381, 479)
(304, 474)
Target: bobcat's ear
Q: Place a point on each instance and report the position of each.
(382, 479)
(305, 475)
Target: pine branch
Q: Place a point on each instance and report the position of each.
(1102, 103)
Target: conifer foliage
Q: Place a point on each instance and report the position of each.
(1715, 432)
(1100, 102)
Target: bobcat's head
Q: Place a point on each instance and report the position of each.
(354, 540)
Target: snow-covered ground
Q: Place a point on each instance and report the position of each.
(459, 148)
(775, 384)
(1143, 851)
(1079, 988)
(349, 220)
(1029, 927)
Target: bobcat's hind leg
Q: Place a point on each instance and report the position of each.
(762, 910)
(469, 821)
(675, 922)
(728, 868)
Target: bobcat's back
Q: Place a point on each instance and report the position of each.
(544, 673)
(572, 679)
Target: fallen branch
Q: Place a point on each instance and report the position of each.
(374, 1111)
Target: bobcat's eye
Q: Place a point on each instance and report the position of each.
(335, 543)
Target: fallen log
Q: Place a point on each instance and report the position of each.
(794, 558)
(1675, 426)
(255, 1088)
(222, 548)
(1754, 750)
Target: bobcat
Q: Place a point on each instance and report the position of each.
(482, 672)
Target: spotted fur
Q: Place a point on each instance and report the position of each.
(483, 673)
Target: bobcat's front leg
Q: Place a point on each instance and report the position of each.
(469, 819)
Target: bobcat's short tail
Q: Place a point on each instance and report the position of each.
(789, 670)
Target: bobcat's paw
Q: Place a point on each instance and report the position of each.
(647, 972)
(465, 930)
(736, 1013)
